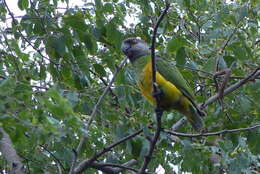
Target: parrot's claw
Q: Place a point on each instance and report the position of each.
(158, 93)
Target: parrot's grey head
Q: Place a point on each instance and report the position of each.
(134, 48)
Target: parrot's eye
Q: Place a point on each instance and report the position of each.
(134, 41)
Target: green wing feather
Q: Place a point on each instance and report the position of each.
(172, 74)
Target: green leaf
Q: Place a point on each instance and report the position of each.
(7, 87)
(73, 97)
(238, 164)
(253, 137)
(76, 21)
(114, 35)
(23, 4)
(90, 43)
(229, 60)
(2, 107)
(100, 70)
(186, 144)
(145, 148)
(58, 105)
(121, 78)
(146, 130)
(245, 104)
(67, 75)
(239, 51)
(108, 8)
(221, 63)
(181, 56)
(55, 46)
(243, 12)
(210, 65)
(192, 64)
(136, 147)
(176, 43)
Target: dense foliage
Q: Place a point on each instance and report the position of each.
(55, 63)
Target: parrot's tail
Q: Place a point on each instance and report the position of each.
(195, 118)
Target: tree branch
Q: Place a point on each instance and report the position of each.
(233, 87)
(215, 76)
(230, 37)
(154, 69)
(211, 133)
(153, 142)
(10, 154)
(115, 168)
(110, 168)
(110, 91)
(178, 124)
(223, 85)
(105, 83)
(254, 75)
(156, 93)
(86, 163)
(125, 166)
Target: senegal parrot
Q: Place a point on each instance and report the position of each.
(175, 92)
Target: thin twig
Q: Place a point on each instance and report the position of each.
(198, 70)
(111, 92)
(2, 76)
(24, 38)
(53, 156)
(230, 37)
(195, 19)
(227, 42)
(212, 133)
(59, 168)
(241, 77)
(153, 142)
(215, 76)
(94, 111)
(156, 94)
(233, 87)
(220, 88)
(104, 82)
(223, 85)
(154, 69)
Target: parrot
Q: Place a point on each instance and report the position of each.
(175, 92)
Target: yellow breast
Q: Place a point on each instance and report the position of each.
(171, 95)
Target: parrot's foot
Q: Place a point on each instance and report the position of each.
(158, 94)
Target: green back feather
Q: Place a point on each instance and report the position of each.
(168, 71)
